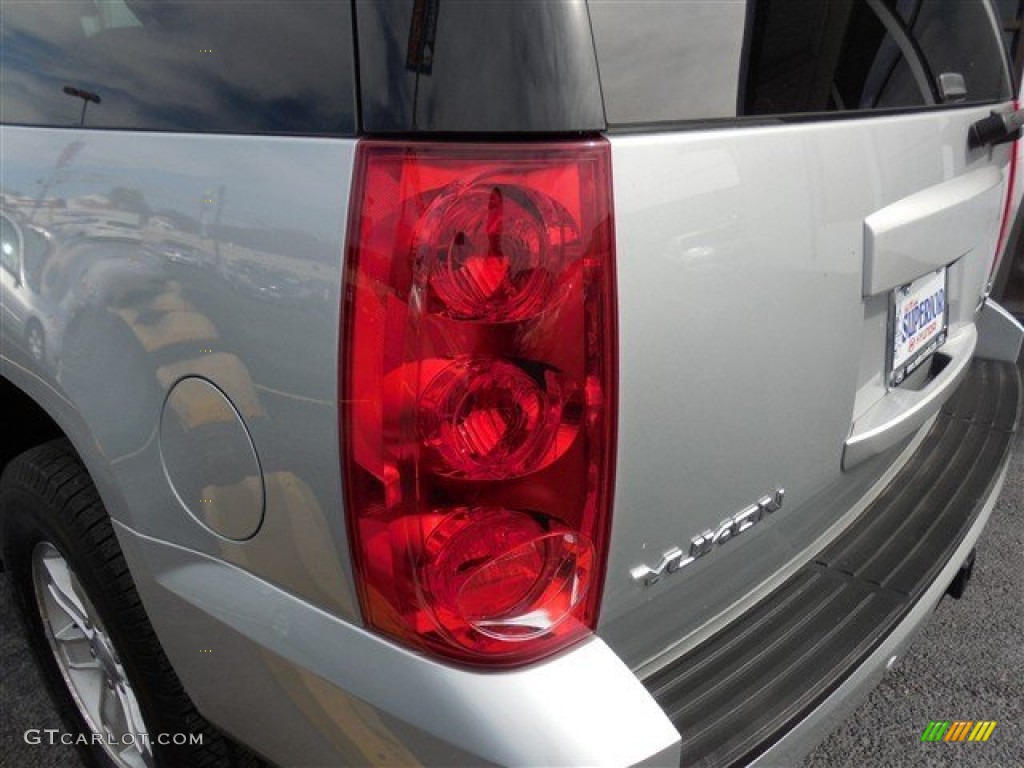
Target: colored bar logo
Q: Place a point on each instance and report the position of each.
(958, 730)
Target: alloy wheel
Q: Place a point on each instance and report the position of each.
(89, 661)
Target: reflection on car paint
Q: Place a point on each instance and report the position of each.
(168, 269)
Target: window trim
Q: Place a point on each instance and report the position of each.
(997, 30)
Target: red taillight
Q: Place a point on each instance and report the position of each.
(478, 393)
(1004, 228)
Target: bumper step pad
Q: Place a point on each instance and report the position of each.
(740, 691)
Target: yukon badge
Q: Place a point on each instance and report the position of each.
(700, 545)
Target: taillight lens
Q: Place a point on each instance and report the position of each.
(1004, 228)
(478, 393)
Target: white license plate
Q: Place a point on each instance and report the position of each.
(919, 323)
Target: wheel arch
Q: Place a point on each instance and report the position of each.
(34, 419)
(27, 423)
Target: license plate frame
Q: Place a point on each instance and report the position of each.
(914, 336)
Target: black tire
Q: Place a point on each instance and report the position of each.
(46, 495)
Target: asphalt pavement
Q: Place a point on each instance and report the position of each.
(967, 664)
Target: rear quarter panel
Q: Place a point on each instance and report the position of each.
(254, 310)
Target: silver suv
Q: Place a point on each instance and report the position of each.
(562, 383)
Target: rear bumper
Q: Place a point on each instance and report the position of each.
(303, 687)
(834, 710)
(777, 674)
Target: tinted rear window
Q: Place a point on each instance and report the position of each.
(679, 61)
(247, 67)
(958, 36)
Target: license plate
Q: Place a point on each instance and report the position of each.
(919, 322)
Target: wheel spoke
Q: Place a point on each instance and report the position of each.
(62, 589)
(69, 633)
(88, 660)
(130, 755)
(79, 666)
(131, 718)
(111, 714)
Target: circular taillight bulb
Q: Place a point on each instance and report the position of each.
(494, 252)
(504, 574)
(489, 419)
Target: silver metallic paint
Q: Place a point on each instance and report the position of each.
(255, 311)
(1000, 334)
(747, 350)
(773, 217)
(931, 228)
(318, 690)
(209, 460)
(905, 410)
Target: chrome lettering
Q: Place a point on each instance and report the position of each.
(749, 517)
(670, 563)
(702, 544)
(675, 559)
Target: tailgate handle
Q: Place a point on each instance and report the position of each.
(930, 228)
(997, 128)
(903, 411)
